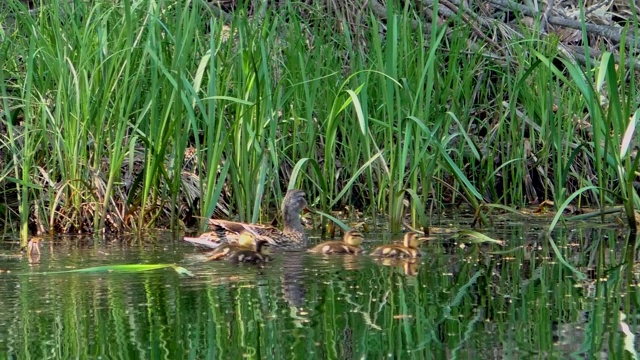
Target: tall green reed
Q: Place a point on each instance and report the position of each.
(262, 110)
(411, 122)
(251, 127)
(71, 85)
(16, 140)
(169, 51)
(211, 129)
(611, 102)
(115, 95)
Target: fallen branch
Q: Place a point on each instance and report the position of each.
(609, 32)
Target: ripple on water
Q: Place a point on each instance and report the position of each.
(473, 299)
(296, 265)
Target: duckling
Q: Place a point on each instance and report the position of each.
(260, 254)
(350, 244)
(33, 246)
(292, 236)
(408, 249)
(409, 266)
(245, 241)
(248, 250)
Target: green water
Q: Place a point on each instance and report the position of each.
(464, 302)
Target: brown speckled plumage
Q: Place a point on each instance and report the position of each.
(225, 251)
(292, 236)
(350, 244)
(256, 256)
(408, 249)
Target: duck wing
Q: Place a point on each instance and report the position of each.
(228, 232)
(235, 227)
(212, 239)
(232, 229)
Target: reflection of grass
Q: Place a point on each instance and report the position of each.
(464, 302)
(126, 268)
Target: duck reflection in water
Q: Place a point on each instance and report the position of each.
(408, 248)
(409, 267)
(33, 249)
(293, 288)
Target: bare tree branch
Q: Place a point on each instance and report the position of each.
(609, 32)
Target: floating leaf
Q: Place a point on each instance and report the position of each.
(475, 237)
(126, 268)
(182, 271)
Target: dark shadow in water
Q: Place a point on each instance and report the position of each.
(293, 287)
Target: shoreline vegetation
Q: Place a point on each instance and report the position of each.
(127, 115)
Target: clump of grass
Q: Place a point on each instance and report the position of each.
(144, 114)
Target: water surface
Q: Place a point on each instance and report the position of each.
(474, 301)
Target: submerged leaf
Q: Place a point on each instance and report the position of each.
(126, 268)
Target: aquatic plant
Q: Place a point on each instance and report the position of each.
(129, 115)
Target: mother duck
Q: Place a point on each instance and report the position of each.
(291, 237)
